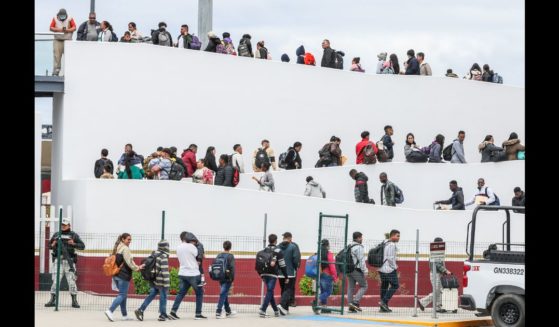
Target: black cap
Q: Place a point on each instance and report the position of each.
(517, 189)
(286, 235)
(438, 239)
(325, 242)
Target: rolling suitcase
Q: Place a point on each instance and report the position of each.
(450, 300)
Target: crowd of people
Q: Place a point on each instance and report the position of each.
(93, 30)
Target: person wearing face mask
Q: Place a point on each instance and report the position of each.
(61, 23)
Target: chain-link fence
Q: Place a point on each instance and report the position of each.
(95, 293)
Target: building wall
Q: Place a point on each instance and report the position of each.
(166, 96)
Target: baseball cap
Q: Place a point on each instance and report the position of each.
(65, 221)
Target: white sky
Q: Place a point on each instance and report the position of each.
(452, 34)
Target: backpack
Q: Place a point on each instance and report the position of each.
(376, 255)
(350, 265)
(236, 171)
(398, 194)
(339, 63)
(447, 152)
(264, 258)
(220, 48)
(369, 156)
(149, 174)
(497, 202)
(100, 169)
(427, 149)
(497, 78)
(109, 267)
(382, 152)
(114, 38)
(261, 157)
(164, 38)
(195, 44)
(311, 267)
(177, 172)
(149, 272)
(218, 267)
(417, 156)
(282, 163)
(243, 49)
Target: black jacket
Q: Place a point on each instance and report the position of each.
(328, 58)
(300, 52)
(224, 176)
(457, 200)
(212, 45)
(413, 67)
(248, 44)
(361, 188)
(155, 37)
(67, 235)
(293, 159)
(125, 271)
(100, 166)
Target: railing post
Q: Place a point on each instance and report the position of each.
(416, 272)
(58, 249)
(264, 244)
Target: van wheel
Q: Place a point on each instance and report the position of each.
(508, 311)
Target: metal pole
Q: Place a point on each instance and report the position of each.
(435, 288)
(205, 15)
(416, 272)
(264, 244)
(58, 249)
(344, 270)
(42, 229)
(92, 6)
(319, 260)
(163, 224)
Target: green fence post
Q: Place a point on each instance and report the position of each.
(58, 249)
(163, 224)
(318, 259)
(344, 267)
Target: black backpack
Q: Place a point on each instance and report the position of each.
(177, 171)
(350, 265)
(447, 152)
(100, 167)
(376, 255)
(398, 194)
(264, 258)
(149, 272)
(218, 269)
(340, 59)
(261, 157)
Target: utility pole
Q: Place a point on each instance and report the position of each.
(205, 14)
(92, 6)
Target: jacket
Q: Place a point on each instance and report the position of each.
(212, 45)
(361, 189)
(155, 37)
(457, 152)
(435, 153)
(100, 166)
(123, 255)
(189, 160)
(390, 251)
(512, 147)
(230, 269)
(162, 277)
(249, 46)
(359, 257)
(425, 69)
(520, 202)
(315, 189)
(65, 236)
(490, 152)
(82, 30)
(280, 263)
(267, 180)
(300, 53)
(387, 194)
(237, 161)
(328, 58)
(360, 148)
(457, 200)
(293, 159)
(330, 269)
(224, 176)
(413, 66)
(292, 257)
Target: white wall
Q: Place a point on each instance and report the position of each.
(119, 93)
(422, 183)
(134, 206)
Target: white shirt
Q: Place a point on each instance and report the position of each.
(186, 253)
(389, 265)
(238, 160)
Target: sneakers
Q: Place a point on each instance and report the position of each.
(202, 284)
(283, 310)
(441, 310)
(231, 314)
(354, 306)
(173, 316)
(109, 315)
(139, 314)
(276, 313)
(384, 307)
(220, 316)
(200, 317)
(421, 307)
(262, 314)
(162, 318)
(126, 318)
(351, 310)
(325, 311)
(293, 304)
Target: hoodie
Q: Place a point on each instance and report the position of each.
(292, 257)
(300, 53)
(315, 189)
(162, 278)
(361, 189)
(512, 147)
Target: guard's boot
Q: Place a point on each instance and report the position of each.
(75, 301)
(52, 301)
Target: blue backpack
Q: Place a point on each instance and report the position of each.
(311, 267)
(195, 44)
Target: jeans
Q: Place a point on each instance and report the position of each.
(287, 291)
(185, 283)
(162, 299)
(120, 299)
(388, 279)
(326, 285)
(224, 297)
(359, 278)
(269, 299)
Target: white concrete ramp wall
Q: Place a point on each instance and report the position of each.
(422, 183)
(134, 206)
(118, 93)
